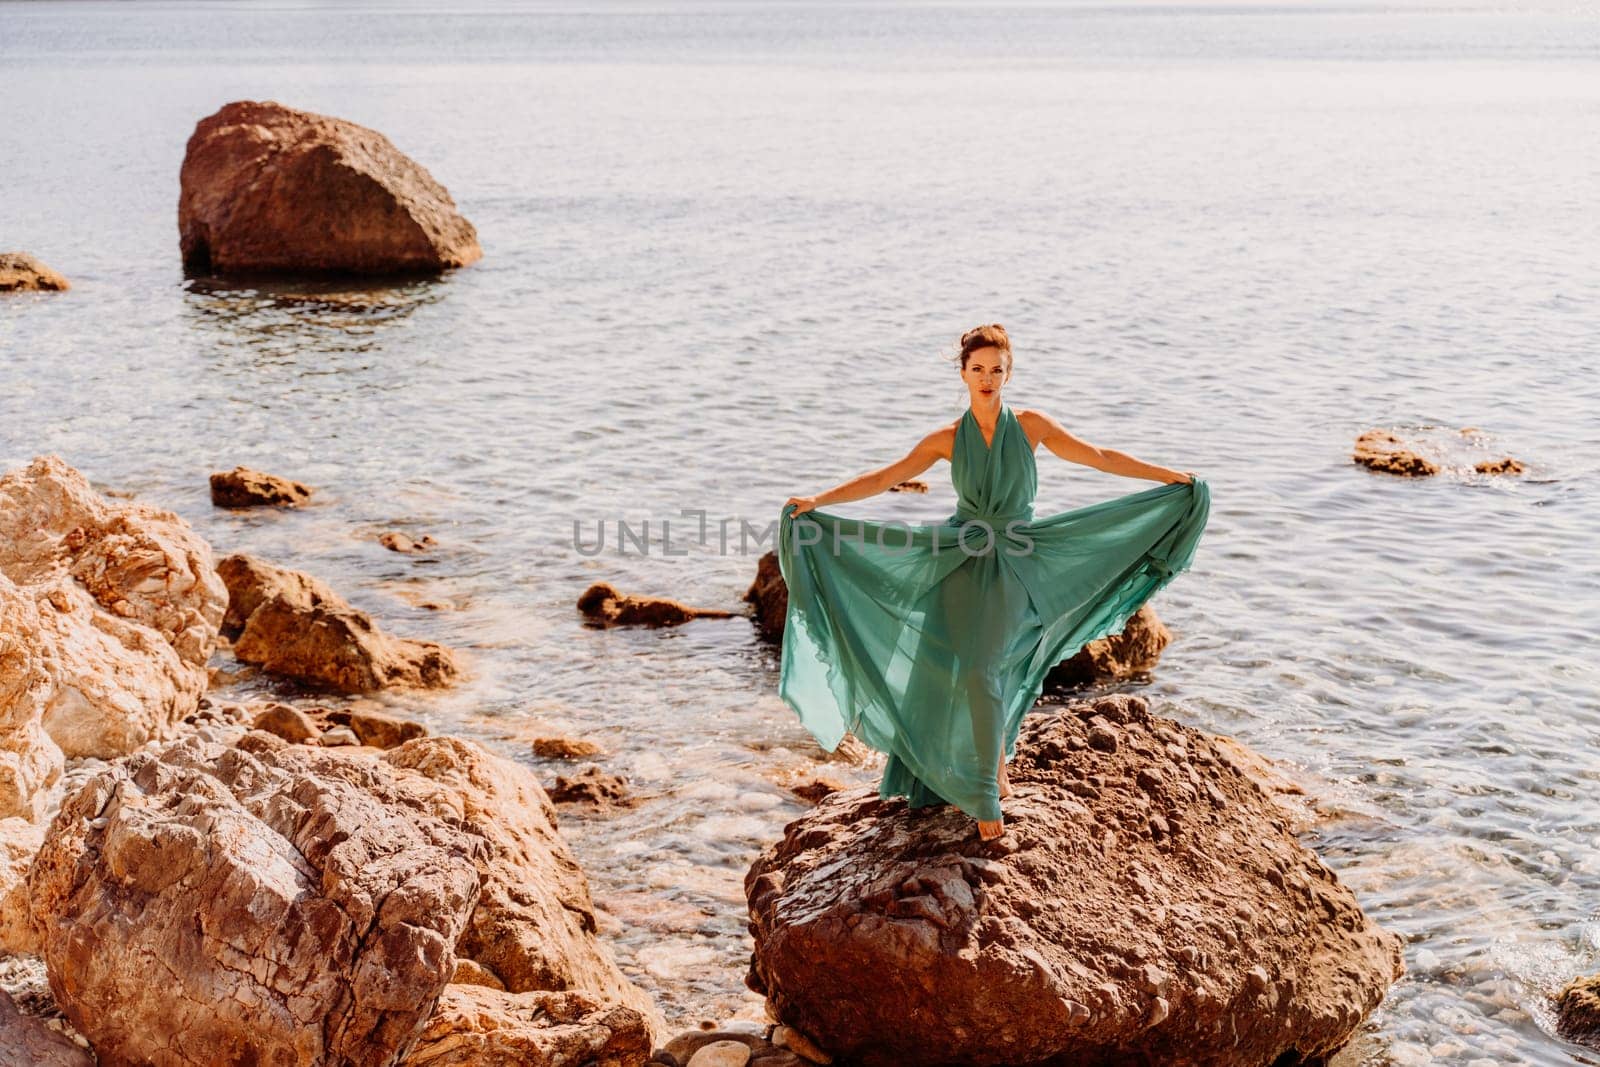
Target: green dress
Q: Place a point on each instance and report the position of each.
(930, 642)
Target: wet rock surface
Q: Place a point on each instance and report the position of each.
(244, 487)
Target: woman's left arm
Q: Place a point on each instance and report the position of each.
(1055, 437)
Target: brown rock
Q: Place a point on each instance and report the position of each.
(1136, 650)
(478, 1027)
(290, 915)
(814, 789)
(603, 605)
(564, 748)
(21, 272)
(1578, 1011)
(383, 731)
(770, 596)
(27, 1042)
(1383, 451)
(127, 606)
(591, 785)
(892, 937)
(268, 188)
(534, 927)
(243, 487)
(294, 625)
(251, 582)
(1506, 465)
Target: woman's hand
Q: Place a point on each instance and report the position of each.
(801, 504)
(1185, 476)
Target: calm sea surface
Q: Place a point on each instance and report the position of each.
(726, 246)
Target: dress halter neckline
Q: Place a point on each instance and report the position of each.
(999, 423)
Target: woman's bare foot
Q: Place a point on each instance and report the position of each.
(1005, 783)
(991, 830)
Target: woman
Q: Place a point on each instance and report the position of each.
(931, 642)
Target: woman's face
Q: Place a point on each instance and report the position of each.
(985, 373)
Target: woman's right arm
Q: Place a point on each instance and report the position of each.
(874, 482)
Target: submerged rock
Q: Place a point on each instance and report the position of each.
(1504, 465)
(21, 272)
(269, 188)
(292, 624)
(1578, 1011)
(603, 605)
(1383, 451)
(1149, 904)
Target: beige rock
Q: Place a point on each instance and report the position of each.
(19, 842)
(244, 487)
(264, 911)
(564, 748)
(30, 762)
(721, 1054)
(478, 1027)
(266, 187)
(128, 606)
(396, 541)
(21, 272)
(287, 722)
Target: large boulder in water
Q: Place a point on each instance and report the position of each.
(125, 606)
(267, 189)
(1149, 904)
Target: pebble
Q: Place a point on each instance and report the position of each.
(721, 1054)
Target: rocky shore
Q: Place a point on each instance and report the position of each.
(317, 884)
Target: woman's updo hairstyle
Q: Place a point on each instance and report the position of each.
(991, 336)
